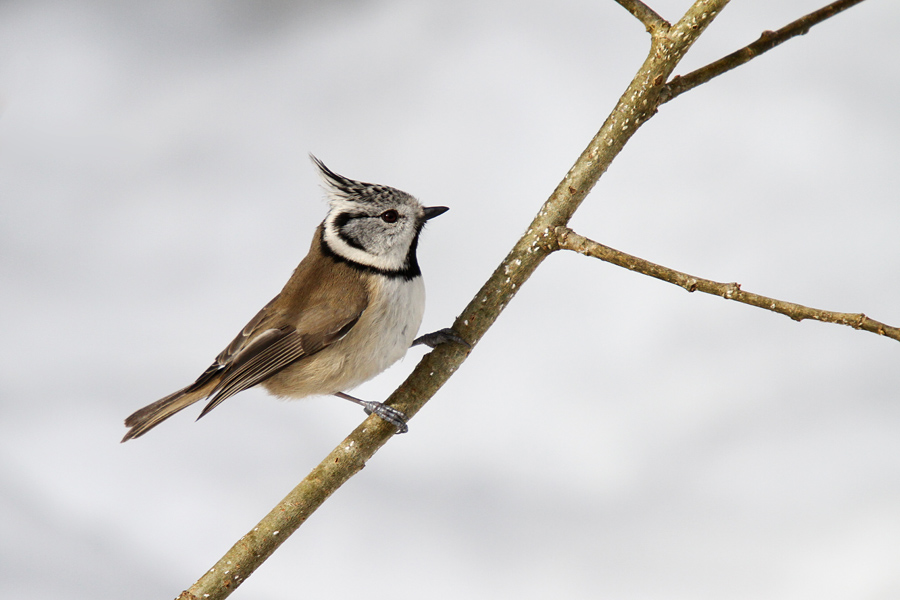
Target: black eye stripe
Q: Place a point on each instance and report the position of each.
(340, 223)
(344, 218)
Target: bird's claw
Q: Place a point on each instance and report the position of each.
(391, 415)
(441, 336)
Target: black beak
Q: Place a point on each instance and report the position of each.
(433, 211)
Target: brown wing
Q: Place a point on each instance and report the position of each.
(257, 353)
(264, 354)
(319, 305)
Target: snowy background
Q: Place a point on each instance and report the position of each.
(611, 437)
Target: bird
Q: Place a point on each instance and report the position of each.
(350, 310)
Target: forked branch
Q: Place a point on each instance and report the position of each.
(646, 15)
(637, 104)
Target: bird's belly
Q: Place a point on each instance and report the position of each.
(382, 336)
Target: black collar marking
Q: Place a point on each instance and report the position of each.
(410, 269)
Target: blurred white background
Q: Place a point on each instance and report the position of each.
(611, 437)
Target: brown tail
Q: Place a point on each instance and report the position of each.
(152, 415)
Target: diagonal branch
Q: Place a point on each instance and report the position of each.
(646, 15)
(569, 240)
(767, 40)
(637, 104)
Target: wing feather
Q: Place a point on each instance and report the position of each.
(276, 349)
(269, 352)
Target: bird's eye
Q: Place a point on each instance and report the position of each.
(390, 216)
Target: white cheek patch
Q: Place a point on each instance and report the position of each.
(337, 245)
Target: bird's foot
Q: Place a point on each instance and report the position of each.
(391, 415)
(441, 336)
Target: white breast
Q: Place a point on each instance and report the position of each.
(388, 325)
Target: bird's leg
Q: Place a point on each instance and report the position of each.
(391, 415)
(441, 336)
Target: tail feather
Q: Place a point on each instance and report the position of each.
(145, 419)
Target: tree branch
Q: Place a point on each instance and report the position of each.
(347, 459)
(767, 40)
(634, 107)
(569, 240)
(646, 15)
(637, 104)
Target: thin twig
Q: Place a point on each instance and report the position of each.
(646, 15)
(767, 40)
(569, 240)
